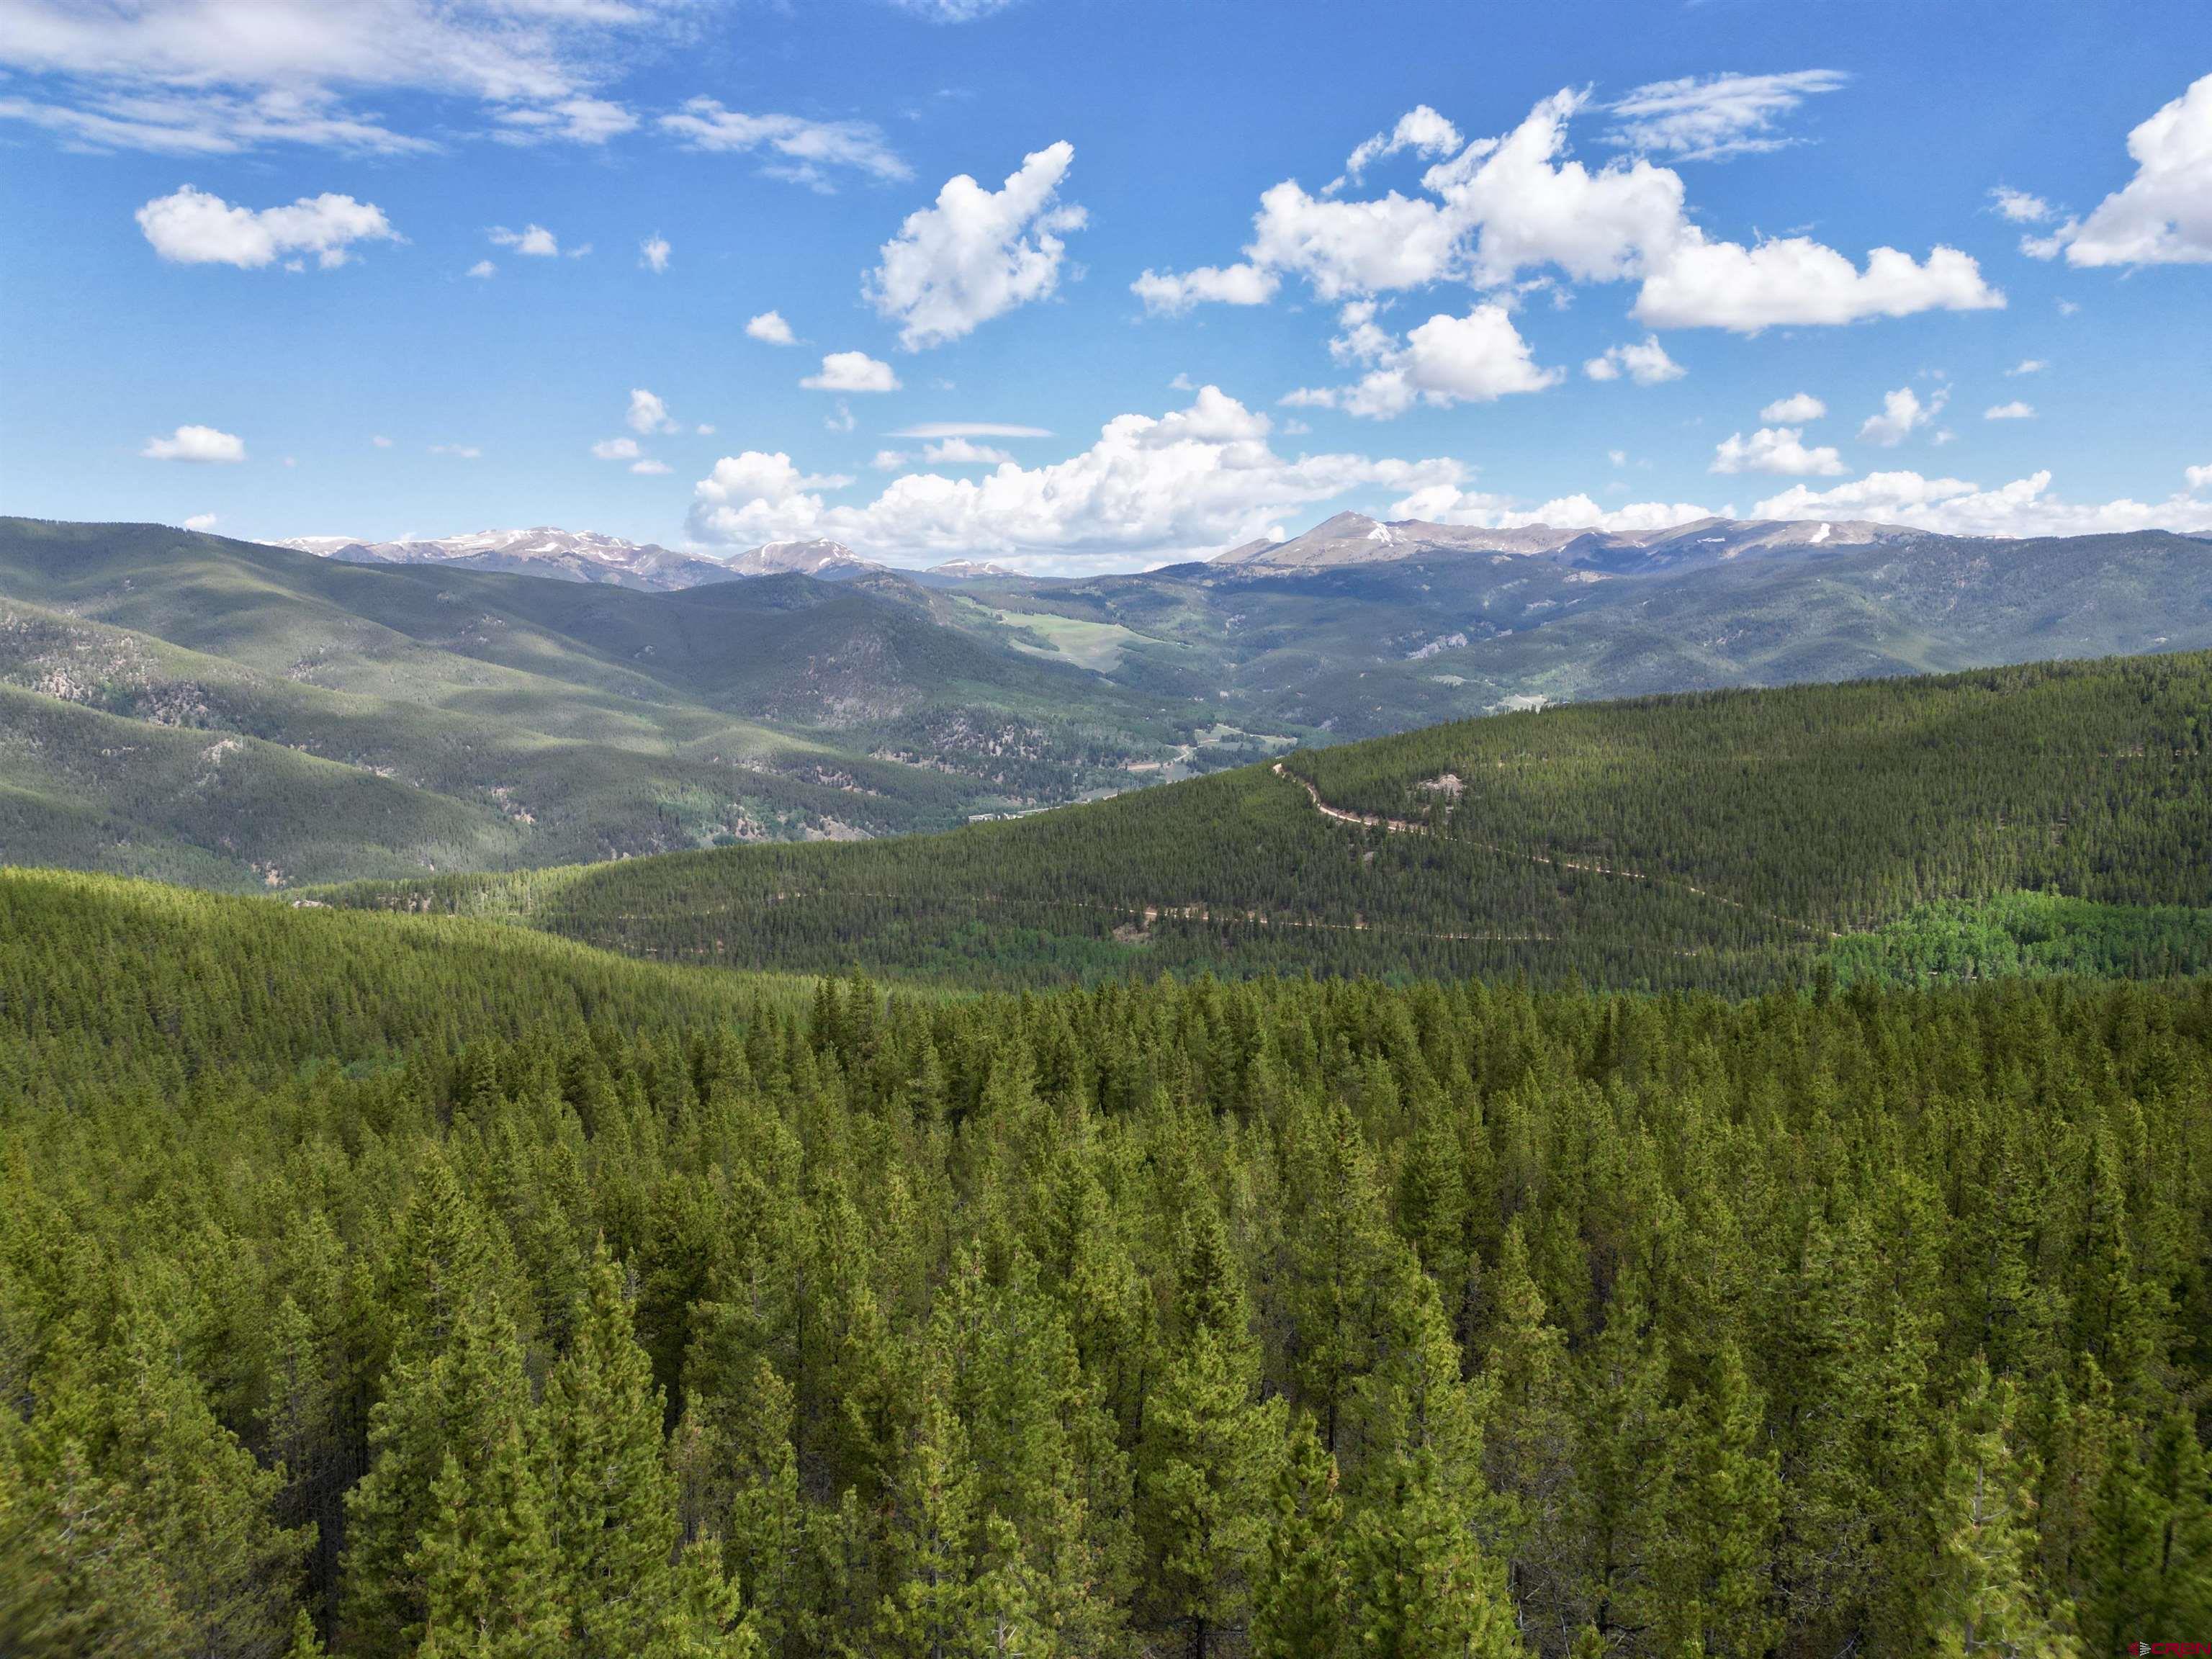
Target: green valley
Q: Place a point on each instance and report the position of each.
(469, 720)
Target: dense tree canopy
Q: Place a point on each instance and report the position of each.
(1725, 841)
(390, 1285)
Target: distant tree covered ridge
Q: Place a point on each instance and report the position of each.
(1726, 840)
(237, 716)
(402, 1287)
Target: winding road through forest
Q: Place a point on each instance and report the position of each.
(1408, 827)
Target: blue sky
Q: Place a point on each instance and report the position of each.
(1601, 264)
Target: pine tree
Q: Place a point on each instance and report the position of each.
(2120, 1564)
(2148, 1561)
(931, 1609)
(1338, 1244)
(2179, 1474)
(1623, 1462)
(487, 1570)
(1714, 1576)
(451, 1516)
(1206, 1468)
(1985, 1598)
(612, 1498)
(738, 1477)
(1421, 1586)
(306, 1643)
(2115, 1316)
(1301, 1607)
(1529, 1443)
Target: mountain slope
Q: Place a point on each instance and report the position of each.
(546, 722)
(1351, 539)
(552, 720)
(1726, 839)
(1360, 647)
(568, 555)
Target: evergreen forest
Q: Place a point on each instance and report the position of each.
(2046, 818)
(402, 1286)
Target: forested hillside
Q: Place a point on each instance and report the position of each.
(230, 714)
(575, 1307)
(1426, 633)
(234, 715)
(1728, 840)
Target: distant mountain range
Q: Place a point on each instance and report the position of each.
(225, 712)
(1349, 539)
(1353, 538)
(583, 556)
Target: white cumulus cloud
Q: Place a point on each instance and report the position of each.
(1502, 209)
(1198, 478)
(1795, 280)
(2200, 478)
(1647, 363)
(2019, 206)
(2163, 215)
(1474, 359)
(758, 497)
(196, 443)
(201, 521)
(615, 449)
(2014, 410)
(770, 328)
(2026, 507)
(535, 241)
(1448, 504)
(194, 227)
(1902, 414)
(652, 254)
(1776, 449)
(852, 371)
(1170, 292)
(1793, 410)
(648, 412)
(977, 253)
(1420, 130)
(963, 451)
(484, 270)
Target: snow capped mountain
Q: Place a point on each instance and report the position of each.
(831, 561)
(1353, 538)
(953, 572)
(585, 555)
(578, 556)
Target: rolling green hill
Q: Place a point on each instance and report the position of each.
(1370, 648)
(1725, 839)
(116, 989)
(490, 720)
(484, 721)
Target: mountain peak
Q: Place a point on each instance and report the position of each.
(819, 557)
(576, 556)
